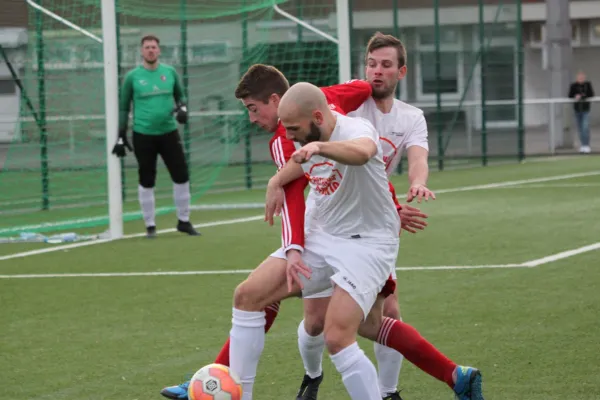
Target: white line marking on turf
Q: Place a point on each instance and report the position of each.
(451, 190)
(122, 274)
(528, 264)
(549, 186)
(83, 244)
(223, 272)
(454, 267)
(561, 255)
(249, 205)
(514, 183)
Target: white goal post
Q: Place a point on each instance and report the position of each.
(342, 40)
(111, 109)
(111, 104)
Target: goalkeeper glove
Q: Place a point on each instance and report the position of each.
(181, 114)
(122, 143)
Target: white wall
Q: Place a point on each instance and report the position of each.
(9, 109)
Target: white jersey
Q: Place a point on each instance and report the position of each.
(351, 201)
(404, 126)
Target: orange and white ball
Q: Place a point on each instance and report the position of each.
(215, 382)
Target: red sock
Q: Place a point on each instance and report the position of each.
(408, 341)
(270, 315)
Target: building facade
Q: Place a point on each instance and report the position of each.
(216, 46)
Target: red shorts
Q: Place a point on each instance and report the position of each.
(389, 288)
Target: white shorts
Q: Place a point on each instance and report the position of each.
(359, 266)
(280, 253)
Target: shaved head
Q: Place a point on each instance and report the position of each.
(302, 99)
(303, 111)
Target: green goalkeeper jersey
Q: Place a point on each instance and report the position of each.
(153, 93)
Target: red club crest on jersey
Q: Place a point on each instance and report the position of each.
(325, 179)
(389, 150)
(163, 78)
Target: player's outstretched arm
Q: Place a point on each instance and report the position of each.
(350, 152)
(418, 173)
(418, 169)
(411, 218)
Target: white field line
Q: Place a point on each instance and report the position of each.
(226, 206)
(455, 267)
(549, 186)
(562, 255)
(135, 235)
(199, 207)
(515, 183)
(452, 190)
(529, 264)
(223, 272)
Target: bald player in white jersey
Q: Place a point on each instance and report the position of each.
(353, 243)
(401, 127)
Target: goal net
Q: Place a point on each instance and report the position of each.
(53, 170)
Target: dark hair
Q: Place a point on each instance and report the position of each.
(149, 38)
(260, 82)
(379, 41)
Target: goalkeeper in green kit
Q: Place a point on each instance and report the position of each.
(158, 101)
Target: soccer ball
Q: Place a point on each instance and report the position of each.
(215, 382)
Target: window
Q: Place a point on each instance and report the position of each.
(209, 52)
(450, 82)
(169, 54)
(595, 32)
(7, 87)
(448, 36)
(537, 34)
(575, 33)
(448, 73)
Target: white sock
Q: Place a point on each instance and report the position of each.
(146, 198)
(247, 340)
(311, 350)
(358, 373)
(389, 362)
(181, 195)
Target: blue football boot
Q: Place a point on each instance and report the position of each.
(468, 384)
(178, 392)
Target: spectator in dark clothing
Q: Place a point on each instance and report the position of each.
(581, 90)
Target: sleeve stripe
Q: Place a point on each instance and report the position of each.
(285, 218)
(278, 154)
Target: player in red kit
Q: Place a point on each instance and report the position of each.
(264, 115)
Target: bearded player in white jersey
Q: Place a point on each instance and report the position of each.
(353, 242)
(401, 127)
